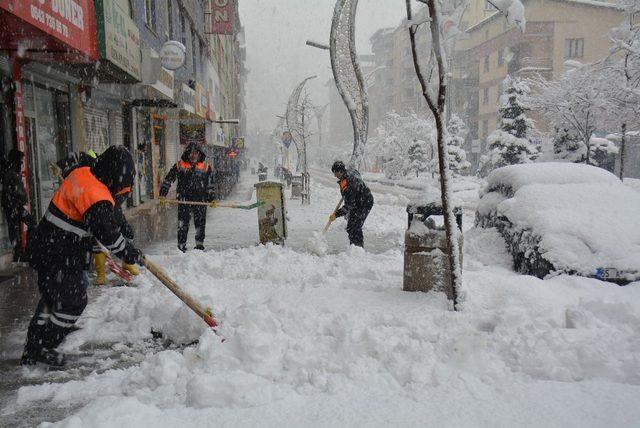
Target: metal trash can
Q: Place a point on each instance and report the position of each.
(296, 187)
(426, 266)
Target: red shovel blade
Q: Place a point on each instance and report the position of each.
(118, 270)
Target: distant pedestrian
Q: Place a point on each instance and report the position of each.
(195, 184)
(14, 199)
(358, 201)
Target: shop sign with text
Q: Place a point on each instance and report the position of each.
(118, 37)
(71, 21)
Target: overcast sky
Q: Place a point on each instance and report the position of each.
(278, 59)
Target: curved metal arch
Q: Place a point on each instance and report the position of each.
(293, 122)
(348, 75)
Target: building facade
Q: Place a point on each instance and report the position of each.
(87, 75)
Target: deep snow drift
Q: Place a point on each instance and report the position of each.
(332, 340)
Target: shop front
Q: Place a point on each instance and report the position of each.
(41, 45)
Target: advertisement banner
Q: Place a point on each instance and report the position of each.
(71, 22)
(118, 37)
(220, 17)
(188, 99)
(202, 101)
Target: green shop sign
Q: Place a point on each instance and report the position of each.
(118, 39)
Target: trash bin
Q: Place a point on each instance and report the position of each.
(426, 266)
(272, 218)
(296, 187)
(262, 176)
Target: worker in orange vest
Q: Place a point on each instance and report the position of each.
(81, 210)
(195, 184)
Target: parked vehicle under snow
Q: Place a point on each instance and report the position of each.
(564, 218)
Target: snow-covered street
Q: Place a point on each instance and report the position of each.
(319, 334)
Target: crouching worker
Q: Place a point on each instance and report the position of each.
(358, 201)
(82, 209)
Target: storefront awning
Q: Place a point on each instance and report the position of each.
(34, 30)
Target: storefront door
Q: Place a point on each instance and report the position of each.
(47, 123)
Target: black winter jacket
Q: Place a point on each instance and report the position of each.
(195, 181)
(13, 195)
(356, 194)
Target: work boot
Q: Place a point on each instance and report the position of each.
(30, 355)
(199, 247)
(51, 357)
(99, 260)
(132, 269)
(182, 247)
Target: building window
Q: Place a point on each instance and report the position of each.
(500, 58)
(573, 48)
(194, 53)
(486, 63)
(183, 30)
(485, 96)
(150, 14)
(170, 18)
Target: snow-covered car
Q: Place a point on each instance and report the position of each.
(564, 218)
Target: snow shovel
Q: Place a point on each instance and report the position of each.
(216, 204)
(329, 222)
(205, 314)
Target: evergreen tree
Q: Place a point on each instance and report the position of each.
(511, 144)
(457, 156)
(418, 157)
(567, 145)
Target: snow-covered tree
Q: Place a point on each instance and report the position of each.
(455, 145)
(394, 138)
(418, 161)
(602, 152)
(576, 99)
(510, 144)
(567, 145)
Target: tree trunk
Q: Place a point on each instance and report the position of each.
(623, 142)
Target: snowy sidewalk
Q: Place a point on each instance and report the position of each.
(331, 339)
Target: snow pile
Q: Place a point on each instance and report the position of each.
(317, 244)
(334, 341)
(513, 177)
(582, 227)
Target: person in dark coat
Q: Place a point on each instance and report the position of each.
(358, 201)
(195, 183)
(81, 210)
(13, 201)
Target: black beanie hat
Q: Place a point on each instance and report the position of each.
(115, 168)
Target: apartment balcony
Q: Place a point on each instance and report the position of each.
(531, 65)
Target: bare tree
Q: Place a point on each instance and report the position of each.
(433, 82)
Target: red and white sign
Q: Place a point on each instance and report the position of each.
(221, 16)
(71, 22)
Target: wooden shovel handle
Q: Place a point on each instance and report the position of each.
(337, 208)
(179, 292)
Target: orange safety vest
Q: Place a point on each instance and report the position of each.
(79, 192)
(200, 166)
(343, 185)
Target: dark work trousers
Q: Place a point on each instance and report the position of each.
(199, 220)
(355, 221)
(63, 297)
(13, 226)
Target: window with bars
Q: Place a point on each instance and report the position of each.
(574, 48)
